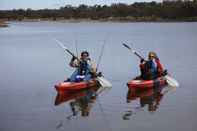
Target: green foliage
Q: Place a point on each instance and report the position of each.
(139, 11)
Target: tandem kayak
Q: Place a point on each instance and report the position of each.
(73, 86)
(143, 84)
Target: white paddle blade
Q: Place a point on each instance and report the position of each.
(104, 82)
(102, 89)
(171, 81)
(61, 44)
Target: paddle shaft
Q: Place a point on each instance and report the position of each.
(70, 52)
(138, 55)
(133, 51)
(66, 49)
(101, 54)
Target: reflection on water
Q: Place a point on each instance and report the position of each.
(149, 98)
(31, 63)
(80, 102)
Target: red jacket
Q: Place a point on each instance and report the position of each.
(158, 64)
(159, 67)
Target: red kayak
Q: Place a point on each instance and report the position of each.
(143, 84)
(73, 86)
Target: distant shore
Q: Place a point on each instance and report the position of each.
(167, 11)
(3, 23)
(110, 19)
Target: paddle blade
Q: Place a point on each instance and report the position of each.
(60, 44)
(171, 81)
(103, 89)
(103, 82)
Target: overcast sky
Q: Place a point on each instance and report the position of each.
(40, 4)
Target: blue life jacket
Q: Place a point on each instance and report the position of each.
(151, 69)
(83, 70)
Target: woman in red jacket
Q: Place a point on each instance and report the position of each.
(151, 68)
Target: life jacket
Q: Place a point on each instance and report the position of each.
(83, 67)
(148, 70)
(153, 67)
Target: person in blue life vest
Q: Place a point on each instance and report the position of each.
(85, 68)
(151, 68)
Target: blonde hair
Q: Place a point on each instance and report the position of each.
(151, 54)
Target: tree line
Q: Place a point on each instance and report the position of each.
(138, 11)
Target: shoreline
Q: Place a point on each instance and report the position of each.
(115, 20)
(3, 24)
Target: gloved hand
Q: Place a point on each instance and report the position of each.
(73, 58)
(94, 74)
(100, 74)
(165, 72)
(142, 60)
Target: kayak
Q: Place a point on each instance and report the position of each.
(143, 84)
(73, 86)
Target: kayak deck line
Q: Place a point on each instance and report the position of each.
(65, 86)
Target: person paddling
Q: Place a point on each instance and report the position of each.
(151, 68)
(85, 68)
(148, 72)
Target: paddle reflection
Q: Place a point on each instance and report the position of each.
(80, 102)
(149, 98)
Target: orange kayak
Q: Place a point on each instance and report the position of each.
(143, 84)
(73, 86)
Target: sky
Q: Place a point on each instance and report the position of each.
(51, 4)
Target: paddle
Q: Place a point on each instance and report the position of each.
(133, 51)
(65, 48)
(171, 81)
(102, 81)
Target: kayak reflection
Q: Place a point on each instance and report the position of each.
(80, 102)
(149, 98)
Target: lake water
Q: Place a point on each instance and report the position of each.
(32, 63)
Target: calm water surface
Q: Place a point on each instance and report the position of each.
(31, 63)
